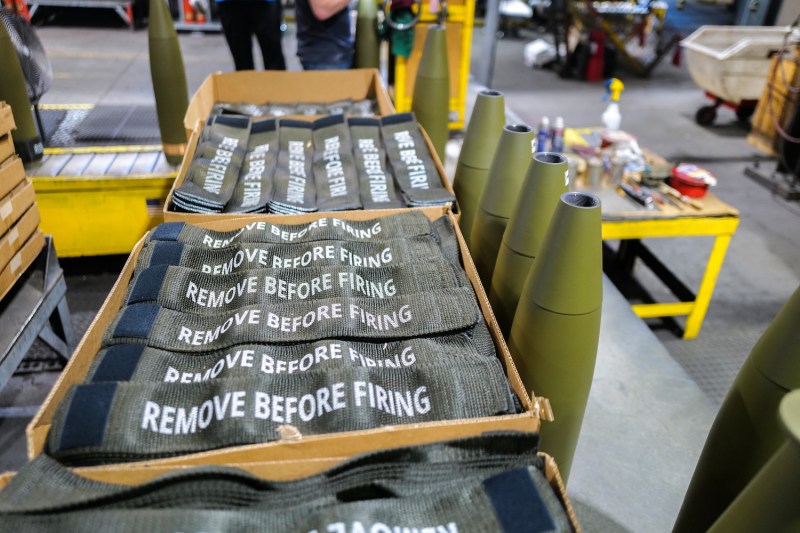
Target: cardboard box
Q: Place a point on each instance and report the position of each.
(344, 444)
(6, 119)
(6, 147)
(284, 87)
(171, 215)
(11, 174)
(12, 240)
(15, 203)
(124, 474)
(20, 262)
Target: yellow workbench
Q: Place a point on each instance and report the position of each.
(623, 221)
(100, 200)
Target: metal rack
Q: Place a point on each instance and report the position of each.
(637, 30)
(35, 308)
(123, 8)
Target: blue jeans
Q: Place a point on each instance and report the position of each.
(336, 65)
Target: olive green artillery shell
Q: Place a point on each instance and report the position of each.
(13, 90)
(510, 272)
(169, 80)
(431, 97)
(555, 355)
(367, 43)
(546, 181)
(506, 174)
(743, 433)
(567, 277)
(556, 329)
(769, 502)
(477, 151)
(487, 236)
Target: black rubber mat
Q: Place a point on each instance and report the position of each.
(51, 120)
(123, 124)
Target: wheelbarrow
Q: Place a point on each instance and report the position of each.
(731, 63)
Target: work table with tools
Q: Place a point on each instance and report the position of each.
(657, 213)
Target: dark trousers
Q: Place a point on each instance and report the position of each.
(241, 19)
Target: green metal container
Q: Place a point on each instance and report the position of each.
(506, 174)
(169, 80)
(480, 142)
(770, 502)
(743, 433)
(367, 43)
(556, 329)
(547, 179)
(431, 98)
(13, 90)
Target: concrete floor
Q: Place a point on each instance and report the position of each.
(654, 395)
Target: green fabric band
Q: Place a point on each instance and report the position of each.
(161, 419)
(190, 291)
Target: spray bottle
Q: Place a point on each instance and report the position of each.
(611, 117)
(543, 135)
(557, 139)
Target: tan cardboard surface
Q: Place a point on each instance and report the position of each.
(6, 146)
(11, 173)
(6, 119)
(196, 218)
(20, 262)
(260, 87)
(343, 444)
(15, 203)
(13, 239)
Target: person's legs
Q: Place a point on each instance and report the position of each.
(236, 24)
(266, 17)
(340, 65)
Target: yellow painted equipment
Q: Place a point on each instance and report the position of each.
(459, 23)
(100, 213)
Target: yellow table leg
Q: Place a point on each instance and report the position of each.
(695, 319)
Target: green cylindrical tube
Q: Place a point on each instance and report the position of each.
(769, 502)
(367, 43)
(27, 142)
(506, 174)
(169, 81)
(557, 326)
(477, 151)
(431, 99)
(547, 179)
(742, 434)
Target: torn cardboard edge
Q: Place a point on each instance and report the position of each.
(20, 262)
(284, 87)
(170, 215)
(343, 444)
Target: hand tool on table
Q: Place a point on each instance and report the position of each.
(638, 196)
(666, 189)
(660, 198)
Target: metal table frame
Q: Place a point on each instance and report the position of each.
(123, 8)
(691, 305)
(35, 308)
